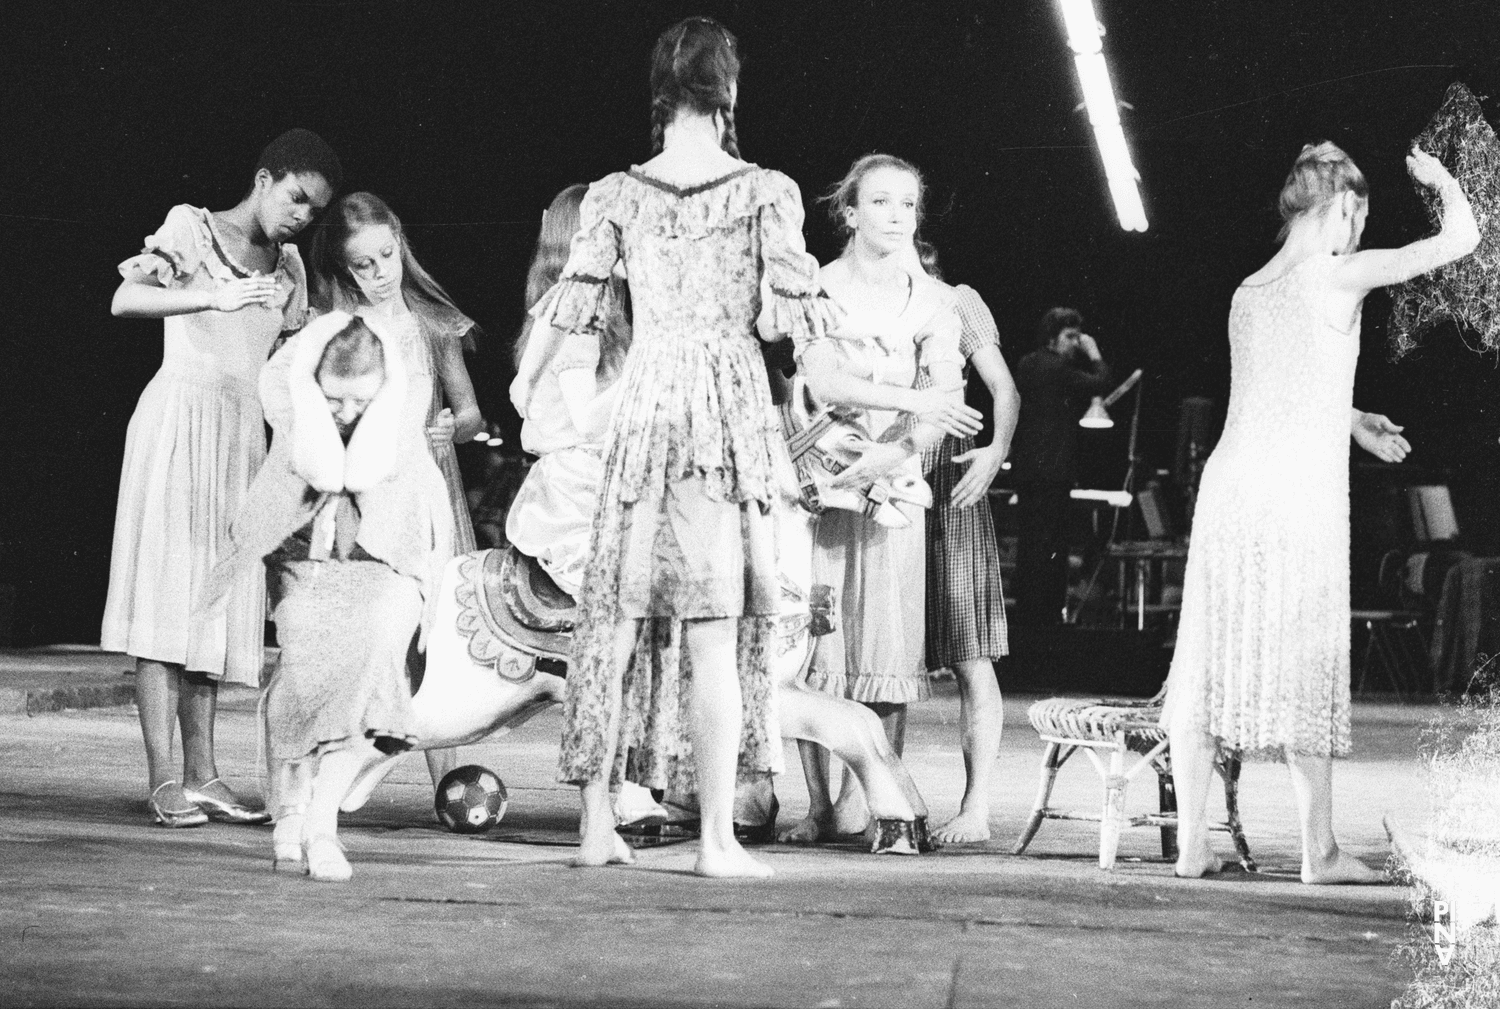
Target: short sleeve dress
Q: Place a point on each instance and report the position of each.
(193, 445)
(876, 654)
(694, 460)
(1262, 659)
(965, 600)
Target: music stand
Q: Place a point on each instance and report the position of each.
(1098, 417)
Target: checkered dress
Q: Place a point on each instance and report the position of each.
(965, 603)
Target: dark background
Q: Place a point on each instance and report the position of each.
(467, 118)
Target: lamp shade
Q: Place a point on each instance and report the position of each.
(1096, 415)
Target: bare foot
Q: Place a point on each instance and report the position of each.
(730, 863)
(970, 826)
(1341, 868)
(808, 830)
(1197, 860)
(596, 852)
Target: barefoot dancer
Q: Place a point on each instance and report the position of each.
(898, 329)
(227, 285)
(362, 263)
(1262, 661)
(966, 629)
(683, 556)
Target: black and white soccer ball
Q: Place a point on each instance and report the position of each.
(470, 799)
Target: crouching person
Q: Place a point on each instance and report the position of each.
(350, 515)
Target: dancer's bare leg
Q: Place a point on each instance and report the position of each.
(1192, 768)
(818, 825)
(852, 813)
(157, 696)
(293, 791)
(715, 718)
(981, 719)
(598, 843)
(1322, 861)
(440, 762)
(197, 705)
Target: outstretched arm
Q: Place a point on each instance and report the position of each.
(1364, 271)
(142, 299)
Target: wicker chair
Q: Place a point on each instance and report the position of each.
(1115, 727)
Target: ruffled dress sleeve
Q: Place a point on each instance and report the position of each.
(174, 253)
(583, 300)
(797, 306)
(295, 315)
(979, 329)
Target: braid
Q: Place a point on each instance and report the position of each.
(662, 110)
(730, 141)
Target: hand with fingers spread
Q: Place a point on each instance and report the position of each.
(983, 465)
(1377, 435)
(233, 295)
(944, 407)
(877, 459)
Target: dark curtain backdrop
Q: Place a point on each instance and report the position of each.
(467, 118)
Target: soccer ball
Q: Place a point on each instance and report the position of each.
(470, 799)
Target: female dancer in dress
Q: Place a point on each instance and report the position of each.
(351, 516)
(227, 285)
(682, 553)
(896, 327)
(363, 264)
(1262, 661)
(565, 404)
(966, 629)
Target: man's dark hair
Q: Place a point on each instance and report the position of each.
(1054, 322)
(298, 152)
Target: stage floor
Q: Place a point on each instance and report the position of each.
(101, 908)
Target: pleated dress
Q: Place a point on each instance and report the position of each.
(194, 443)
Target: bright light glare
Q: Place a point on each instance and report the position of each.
(1084, 37)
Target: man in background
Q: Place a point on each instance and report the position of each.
(1056, 382)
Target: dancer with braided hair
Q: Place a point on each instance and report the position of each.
(683, 568)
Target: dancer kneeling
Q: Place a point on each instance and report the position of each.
(348, 513)
(1262, 660)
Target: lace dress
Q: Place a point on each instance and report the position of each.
(694, 460)
(194, 443)
(1262, 655)
(876, 653)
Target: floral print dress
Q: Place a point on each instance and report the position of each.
(694, 461)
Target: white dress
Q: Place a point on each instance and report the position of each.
(194, 443)
(1262, 658)
(553, 512)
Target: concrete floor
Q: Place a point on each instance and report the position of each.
(101, 908)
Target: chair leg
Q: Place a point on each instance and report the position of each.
(1166, 789)
(1227, 763)
(1051, 761)
(1113, 820)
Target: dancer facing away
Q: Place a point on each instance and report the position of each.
(1262, 661)
(897, 329)
(683, 554)
(351, 516)
(565, 405)
(363, 264)
(966, 629)
(226, 284)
